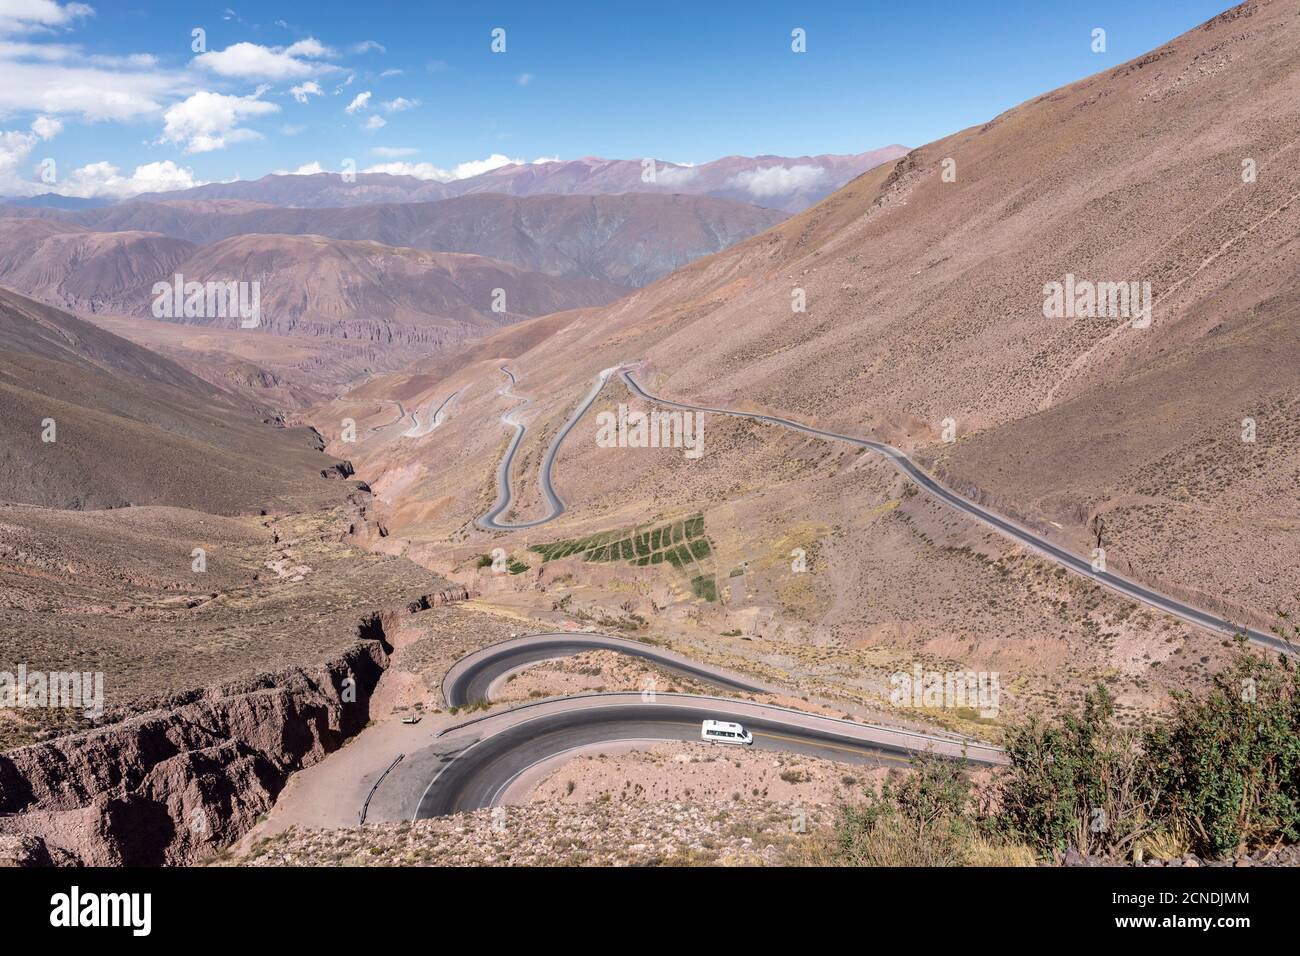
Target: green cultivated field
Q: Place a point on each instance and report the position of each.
(681, 544)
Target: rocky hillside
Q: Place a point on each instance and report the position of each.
(924, 302)
(174, 786)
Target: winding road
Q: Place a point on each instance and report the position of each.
(471, 678)
(498, 757)
(1052, 552)
(504, 494)
(434, 420)
(505, 750)
(401, 413)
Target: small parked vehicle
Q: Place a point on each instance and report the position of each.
(411, 720)
(722, 732)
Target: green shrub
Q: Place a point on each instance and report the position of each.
(1220, 775)
(1229, 763)
(922, 818)
(1079, 781)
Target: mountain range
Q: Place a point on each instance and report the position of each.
(777, 182)
(628, 239)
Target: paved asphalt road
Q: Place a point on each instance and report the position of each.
(471, 676)
(472, 765)
(435, 419)
(471, 771)
(504, 497)
(401, 413)
(1046, 548)
(1009, 528)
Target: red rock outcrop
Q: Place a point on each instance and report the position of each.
(174, 786)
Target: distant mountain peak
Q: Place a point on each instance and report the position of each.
(734, 178)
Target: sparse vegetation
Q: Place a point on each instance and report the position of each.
(923, 818)
(1219, 777)
(471, 707)
(681, 544)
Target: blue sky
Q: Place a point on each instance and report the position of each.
(113, 93)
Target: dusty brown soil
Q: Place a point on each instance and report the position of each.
(703, 773)
(604, 834)
(593, 672)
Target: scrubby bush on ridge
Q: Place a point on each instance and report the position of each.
(1219, 776)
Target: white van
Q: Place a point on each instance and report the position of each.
(721, 732)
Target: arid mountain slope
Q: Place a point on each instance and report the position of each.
(130, 427)
(74, 268)
(777, 182)
(310, 285)
(925, 302)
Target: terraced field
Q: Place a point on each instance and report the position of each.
(682, 544)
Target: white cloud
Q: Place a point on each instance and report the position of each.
(464, 170)
(21, 16)
(250, 61)
(401, 103)
(310, 48)
(778, 180)
(137, 61)
(524, 79)
(306, 169)
(63, 52)
(304, 90)
(674, 175)
(394, 152)
(373, 123)
(104, 179)
(208, 121)
(359, 102)
(476, 167)
(94, 179)
(47, 127)
(45, 84)
(15, 147)
(366, 46)
(48, 52)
